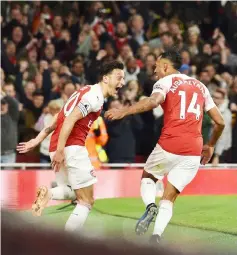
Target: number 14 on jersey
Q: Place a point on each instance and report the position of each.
(192, 108)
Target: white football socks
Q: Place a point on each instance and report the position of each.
(164, 216)
(148, 191)
(62, 192)
(78, 217)
(159, 188)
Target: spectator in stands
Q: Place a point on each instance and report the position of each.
(121, 146)
(185, 69)
(78, 72)
(44, 121)
(214, 83)
(194, 41)
(186, 58)
(144, 50)
(49, 52)
(224, 143)
(233, 108)
(137, 28)
(33, 111)
(9, 58)
(167, 40)
(132, 70)
(147, 72)
(162, 28)
(174, 28)
(95, 141)
(67, 90)
(9, 89)
(56, 65)
(9, 132)
(125, 53)
(122, 38)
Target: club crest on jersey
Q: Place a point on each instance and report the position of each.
(92, 172)
(86, 107)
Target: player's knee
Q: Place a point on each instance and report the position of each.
(170, 194)
(147, 175)
(87, 200)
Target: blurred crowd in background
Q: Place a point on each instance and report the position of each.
(51, 49)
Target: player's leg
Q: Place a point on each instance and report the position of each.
(148, 188)
(148, 194)
(178, 178)
(81, 177)
(84, 203)
(61, 192)
(159, 188)
(156, 163)
(165, 211)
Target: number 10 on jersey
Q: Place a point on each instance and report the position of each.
(193, 107)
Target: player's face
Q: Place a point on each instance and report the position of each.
(115, 81)
(162, 68)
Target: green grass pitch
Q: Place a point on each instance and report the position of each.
(209, 221)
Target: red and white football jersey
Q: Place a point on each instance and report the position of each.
(90, 101)
(185, 100)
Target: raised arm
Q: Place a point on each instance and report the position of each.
(158, 95)
(30, 145)
(144, 105)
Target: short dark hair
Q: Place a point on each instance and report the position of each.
(220, 91)
(76, 61)
(108, 67)
(68, 82)
(174, 56)
(151, 54)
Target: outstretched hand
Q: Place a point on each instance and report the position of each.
(26, 146)
(114, 114)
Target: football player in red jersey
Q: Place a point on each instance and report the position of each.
(70, 160)
(180, 147)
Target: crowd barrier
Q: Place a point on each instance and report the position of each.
(18, 188)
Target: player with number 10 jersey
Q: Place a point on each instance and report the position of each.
(74, 172)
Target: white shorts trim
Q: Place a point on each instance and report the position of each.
(180, 170)
(78, 171)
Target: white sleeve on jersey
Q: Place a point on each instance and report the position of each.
(209, 103)
(90, 102)
(162, 86)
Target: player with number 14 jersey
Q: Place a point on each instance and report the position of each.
(178, 152)
(185, 100)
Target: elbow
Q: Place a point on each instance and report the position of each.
(221, 124)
